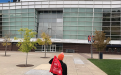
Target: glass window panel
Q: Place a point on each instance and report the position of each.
(18, 15)
(88, 24)
(81, 19)
(89, 19)
(106, 10)
(66, 23)
(5, 28)
(81, 23)
(66, 37)
(74, 19)
(18, 10)
(66, 9)
(5, 23)
(12, 19)
(66, 19)
(89, 14)
(66, 14)
(5, 11)
(12, 23)
(25, 26)
(115, 37)
(24, 10)
(31, 10)
(82, 14)
(5, 19)
(5, 15)
(87, 33)
(31, 19)
(12, 11)
(115, 15)
(24, 23)
(81, 28)
(82, 37)
(18, 23)
(98, 15)
(18, 27)
(116, 10)
(106, 28)
(115, 19)
(74, 9)
(18, 19)
(98, 10)
(115, 33)
(81, 33)
(97, 28)
(106, 23)
(89, 10)
(12, 15)
(66, 28)
(82, 10)
(31, 14)
(13, 32)
(73, 37)
(98, 19)
(66, 32)
(24, 19)
(31, 27)
(31, 23)
(12, 28)
(97, 24)
(88, 28)
(115, 29)
(115, 23)
(106, 14)
(73, 23)
(73, 28)
(25, 15)
(73, 14)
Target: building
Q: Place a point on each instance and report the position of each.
(69, 23)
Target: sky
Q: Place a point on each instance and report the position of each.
(4, 1)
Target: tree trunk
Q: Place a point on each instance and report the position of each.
(6, 49)
(26, 57)
(45, 50)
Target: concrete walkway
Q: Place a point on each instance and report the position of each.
(77, 64)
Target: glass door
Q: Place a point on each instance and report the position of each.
(53, 48)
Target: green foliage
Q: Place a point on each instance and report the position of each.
(25, 45)
(111, 67)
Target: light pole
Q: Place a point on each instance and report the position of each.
(91, 47)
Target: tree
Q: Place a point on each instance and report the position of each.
(100, 41)
(6, 42)
(25, 45)
(45, 40)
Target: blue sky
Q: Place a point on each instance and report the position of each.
(3, 1)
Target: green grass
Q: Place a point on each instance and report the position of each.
(109, 66)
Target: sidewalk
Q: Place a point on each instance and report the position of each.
(77, 64)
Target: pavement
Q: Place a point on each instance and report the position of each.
(77, 63)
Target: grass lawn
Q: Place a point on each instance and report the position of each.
(109, 66)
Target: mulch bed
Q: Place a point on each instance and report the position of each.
(24, 65)
(44, 57)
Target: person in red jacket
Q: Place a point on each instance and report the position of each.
(63, 65)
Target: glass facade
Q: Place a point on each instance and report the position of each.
(51, 22)
(13, 20)
(78, 23)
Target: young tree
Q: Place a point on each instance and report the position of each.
(6, 42)
(25, 45)
(100, 41)
(45, 40)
